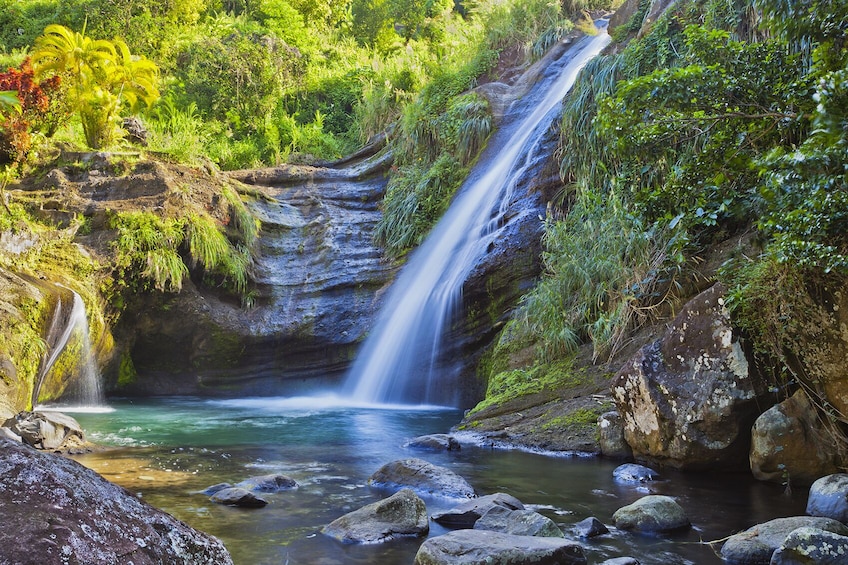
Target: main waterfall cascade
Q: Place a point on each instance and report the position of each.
(398, 361)
(86, 393)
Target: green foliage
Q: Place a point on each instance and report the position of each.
(99, 76)
(512, 384)
(177, 132)
(147, 255)
(604, 271)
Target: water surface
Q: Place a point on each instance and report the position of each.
(167, 450)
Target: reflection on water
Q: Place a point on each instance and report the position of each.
(168, 450)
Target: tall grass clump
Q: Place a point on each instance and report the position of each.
(177, 132)
(604, 273)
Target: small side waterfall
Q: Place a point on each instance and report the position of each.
(397, 363)
(70, 327)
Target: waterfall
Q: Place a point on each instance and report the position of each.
(398, 361)
(86, 393)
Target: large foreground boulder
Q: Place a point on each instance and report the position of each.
(688, 399)
(757, 544)
(422, 477)
(401, 515)
(482, 547)
(62, 512)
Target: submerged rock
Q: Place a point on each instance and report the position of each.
(61, 512)
(434, 442)
(811, 545)
(403, 514)
(757, 544)
(652, 514)
(829, 497)
(632, 473)
(465, 515)
(215, 488)
(482, 547)
(268, 483)
(688, 399)
(46, 430)
(422, 477)
(234, 496)
(518, 522)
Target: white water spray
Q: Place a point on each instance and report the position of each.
(397, 361)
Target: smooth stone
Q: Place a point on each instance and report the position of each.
(46, 430)
(633, 473)
(811, 545)
(483, 547)
(403, 514)
(621, 561)
(590, 527)
(829, 497)
(518, 522)
(465, 515)
(757, 544)
(267, 483)
(422, 477)
(240, 497)
(653, 513)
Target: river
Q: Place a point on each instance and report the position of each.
(166, 450)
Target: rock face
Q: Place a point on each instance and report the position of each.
(72, 515)
(481, 547)
(757, 544)
(422, 477)
(611, 432)
(829, 497)
(788, 445)
(688, 399)
(465, 515)
(400, 515)
(653, 513)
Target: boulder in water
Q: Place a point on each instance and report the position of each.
(788, 444)
(829, 497)
(688, 399)
(268, 483)
(465, 515)
(422, 477)
(46, 430)
(811, 545)
(590, 527)
(234, 496)
(757, 544)
(215, 488)
(434, 442)
(403, 514)
(518, 522)
(611, 436)
(652, 514)
(56, 511)
(482, 547)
